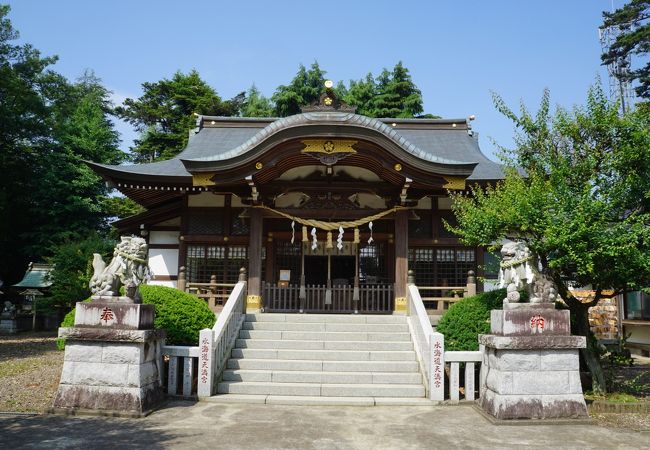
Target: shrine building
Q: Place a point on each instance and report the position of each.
(326, 209)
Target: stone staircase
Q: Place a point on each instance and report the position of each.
(323, 359)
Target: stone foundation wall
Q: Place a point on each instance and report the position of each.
(533, 384)
(117, 376)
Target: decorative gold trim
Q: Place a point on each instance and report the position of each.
(258, 165)
(253, 302)
(400, 304)
(203, 179)
(398, 167)
(328, 146)
(454, 183)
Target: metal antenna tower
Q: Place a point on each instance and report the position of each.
(620, 87)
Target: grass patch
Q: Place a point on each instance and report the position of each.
(15, 367)
(614, 397)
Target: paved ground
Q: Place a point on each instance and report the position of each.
(236, 426)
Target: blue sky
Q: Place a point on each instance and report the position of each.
(457, 52)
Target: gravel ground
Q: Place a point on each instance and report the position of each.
(30, 368)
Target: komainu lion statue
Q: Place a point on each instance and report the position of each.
(520, 269)
(128, 268)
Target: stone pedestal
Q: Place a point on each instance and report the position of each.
(112, 361)
(530, 366)
(8, 326)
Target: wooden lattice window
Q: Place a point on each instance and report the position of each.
(441, 266)
(205, 222)
(288, 256)
(238, 225)
(422, 227)
(223, 261)
(372, 264)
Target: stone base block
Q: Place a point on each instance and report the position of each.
(122, 315)
(550, 406)
(123, 375)
(524, 377)
(8, 326)
(530, 322)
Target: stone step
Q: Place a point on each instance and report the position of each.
(324, 336)
(325, 318)
(323, 345)
(327, 366)
(324, 355)
(306, 400)
(322, 390)
(289, 376)
(317, 326)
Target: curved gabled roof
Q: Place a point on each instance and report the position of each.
(333, 118)
(219, 140)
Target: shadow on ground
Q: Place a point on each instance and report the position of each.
(74, 432)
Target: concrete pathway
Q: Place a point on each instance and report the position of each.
(237, 426)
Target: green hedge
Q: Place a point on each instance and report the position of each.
(180, 314)
(469, 317)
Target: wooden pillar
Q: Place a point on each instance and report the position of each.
(401, 260)
(254, 299)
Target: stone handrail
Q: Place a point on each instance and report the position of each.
(470, 359)
(429, 345)
(180, 357)
(216, 344)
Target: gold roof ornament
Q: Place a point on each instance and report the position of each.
(454, 183)
(203, 179)
(328, 146)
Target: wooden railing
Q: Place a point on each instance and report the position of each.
(438, 299)
(215, 294)
(377, 299)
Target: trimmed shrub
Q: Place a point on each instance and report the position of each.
(469, 317)
(182, 315)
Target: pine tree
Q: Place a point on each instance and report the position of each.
(633, 22)
(305, 88)
(397, 95)
(256, 105)
(165, 113)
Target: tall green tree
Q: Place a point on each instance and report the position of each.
(397, 95)
(583, 205)
(304, 88)
(73, 269)
(25, 83)
(390, 94)
(360, 93)
(255, 104)
(632, 21)
(67, 200)
(165, 113)
(48, 126)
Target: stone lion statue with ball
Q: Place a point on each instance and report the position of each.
(128, 268)
(519, 269)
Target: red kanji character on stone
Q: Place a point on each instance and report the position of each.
(107, 314)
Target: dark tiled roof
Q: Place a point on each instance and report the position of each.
(235, 136)
(458, 145)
